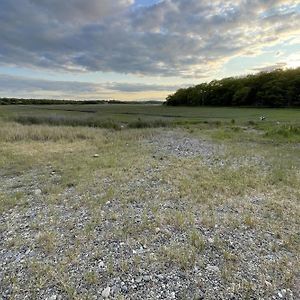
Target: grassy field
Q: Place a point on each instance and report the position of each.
(149, 202)
(133, 112)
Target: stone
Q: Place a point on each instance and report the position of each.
(38, 192)
(139, 279)
(212, 268)
(157, 230)
(211, 241)
(268, 284)
(106, 292)
(96, 155)
(282, 294)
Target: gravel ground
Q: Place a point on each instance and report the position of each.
(136, 246)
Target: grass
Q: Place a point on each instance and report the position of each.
(133, 211)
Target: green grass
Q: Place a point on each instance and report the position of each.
(134, 112)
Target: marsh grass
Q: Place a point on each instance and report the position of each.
(287, 132)
(94, 122)
(59, 120)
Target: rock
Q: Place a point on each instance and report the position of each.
(139, 279)
(211, 241)
(96, 155)
(147, 278)
(101, 265)
(282, 294)
(38, 192)
(106, 292)
(160, 277)
(212, 268)
(268, 284)
(157, 230)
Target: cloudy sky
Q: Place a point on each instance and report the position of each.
(139, 49)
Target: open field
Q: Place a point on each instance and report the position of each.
(149, 202)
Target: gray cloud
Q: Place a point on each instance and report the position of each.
(269, 68)
(15, 85)
(182, 38)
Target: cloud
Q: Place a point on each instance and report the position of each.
(269, 68)
(180, 38)
(23, 87)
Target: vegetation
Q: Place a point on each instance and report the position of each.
(22, 101)
(280, 88)
(83, 208)
(18, 101)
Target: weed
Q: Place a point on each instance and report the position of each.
(196, 240)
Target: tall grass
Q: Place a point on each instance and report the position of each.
(287, 132)
(55, 120)
(13, 132)
(73, 121)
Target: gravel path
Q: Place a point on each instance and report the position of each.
(147, 243)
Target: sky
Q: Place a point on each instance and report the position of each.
(139, 49)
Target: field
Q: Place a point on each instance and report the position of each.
(149, 202)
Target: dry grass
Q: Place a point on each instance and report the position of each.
(173, 214)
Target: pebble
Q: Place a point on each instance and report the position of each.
(211, 241)
(212, 268)
(96, 155)
(139, 279)
(106, 292)
(268, 284)
(37, 192)
(282, 293)
(157, 230)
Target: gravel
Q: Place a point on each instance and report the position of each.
(119, 250)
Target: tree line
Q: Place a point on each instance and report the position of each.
(22, 101)
(279, 88)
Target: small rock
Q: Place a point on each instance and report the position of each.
(106, 292)
(211, 241)
(282, 293)
(101, 265)
(160, 277)
(147, 278)
(38, 192)
(96, 155)
(139, 279)
(157, 230)
(268, 284)
(212, 268)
